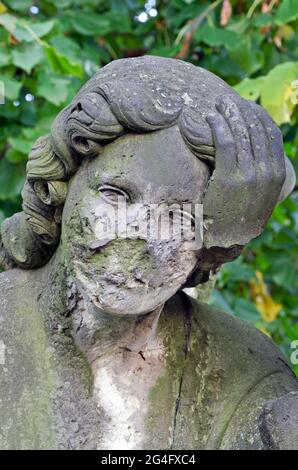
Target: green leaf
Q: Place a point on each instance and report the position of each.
(12, 179)
(25, 30)
(5, 58)
(91, 24)
(63, 64)
(4, 36)
(32, 133)
(222, 65)
(264, 19)
(14, 156)
(283, 273)
(238, 271)
(250, 89)
(119, 22)
(21, 145)
(8, 22)
(27, 56)
(19, 5)
(218, 300)
(287, 11)
(170, 51)
(29, 31)
(215, 37)
(249, 58)
(186, 12)
(246, 310)
(11, 87)
(62, 3)
(67, 47)
(54, 89)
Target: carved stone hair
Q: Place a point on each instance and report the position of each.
(131, 95)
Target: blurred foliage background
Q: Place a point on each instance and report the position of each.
(49, 48)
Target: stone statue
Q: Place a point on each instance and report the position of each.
(100, 348)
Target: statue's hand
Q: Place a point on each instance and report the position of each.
(248, 176)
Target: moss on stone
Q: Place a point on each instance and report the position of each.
(28, 379)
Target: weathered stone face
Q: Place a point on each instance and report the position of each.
(144, 95)
(135, 272)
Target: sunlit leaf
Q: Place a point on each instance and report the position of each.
(25, 30)
(63, 64)
(21, 145)
(280, 91)
(216, 36)
(27, 56)
(250, 88)
(3, 8)
(54, 89)
(5, 58)
(11, 87)
(268, 308)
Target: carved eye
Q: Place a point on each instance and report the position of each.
(112, 195)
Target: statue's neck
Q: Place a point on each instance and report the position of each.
(96, 333)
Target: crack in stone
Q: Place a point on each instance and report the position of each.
(142, 355)
(188, 328)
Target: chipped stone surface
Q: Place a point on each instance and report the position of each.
(124, 398)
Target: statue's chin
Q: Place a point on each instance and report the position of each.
(118, 300)
(116, 296)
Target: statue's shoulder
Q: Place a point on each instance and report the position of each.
(257, 385)
(26, 374)
(279, 422)
(232, 343)
(238, 341)
(233, 372)
(13, 278)
(13, 284)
